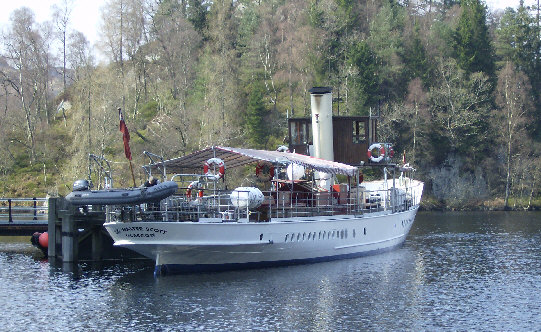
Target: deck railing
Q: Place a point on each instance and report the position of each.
(23, 210)
(216, 205)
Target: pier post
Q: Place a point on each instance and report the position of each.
(51, 226)
(70, 241)
(97, 244)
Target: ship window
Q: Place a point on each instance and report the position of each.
(292, 236)
(303, 236)
(342, 234)
(300, 132)
(346, 233)
(359, 132)
(309, 235)
(354, 232)
(365, 231)
(298, 237)
(319, 237)
(287, 236)
(260, 237)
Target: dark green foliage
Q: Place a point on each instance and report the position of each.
(416, 61)
(256, 112)
(365, 83)
(471, 40)
(197, 14)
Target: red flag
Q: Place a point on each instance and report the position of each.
(125, 135)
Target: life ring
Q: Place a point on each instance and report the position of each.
(264, 171)
(282, 148)
(381, 150)
(197, 185)
(221, 169)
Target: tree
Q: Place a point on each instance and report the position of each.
(471, 40)
(386, 42)
(256, 113)
(460, 107)
(517, 40)
(515, 104)
(24, 53)
(61, 17)
(364, 77)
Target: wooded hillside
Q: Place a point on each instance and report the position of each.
(458, 88)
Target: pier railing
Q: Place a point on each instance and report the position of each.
(23, 210)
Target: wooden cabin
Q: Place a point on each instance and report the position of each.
(352, 135)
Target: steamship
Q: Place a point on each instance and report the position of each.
(303, 203)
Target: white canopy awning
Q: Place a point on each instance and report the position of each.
(235, 157)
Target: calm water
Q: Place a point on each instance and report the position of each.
(456, 271)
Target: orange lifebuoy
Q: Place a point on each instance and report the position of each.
(221, 169)
(379, 147)
(197, 185)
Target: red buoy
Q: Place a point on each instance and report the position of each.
(44, 240)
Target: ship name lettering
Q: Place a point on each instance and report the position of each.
(129, 229)
(139, 235)
(156, 230)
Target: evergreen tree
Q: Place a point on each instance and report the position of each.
(364, 81)
(256, 111)
(197, 14)
(415, 58)
(472, 47)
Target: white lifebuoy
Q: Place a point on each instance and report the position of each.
(381, 150)
(221, 169)
(194, 184)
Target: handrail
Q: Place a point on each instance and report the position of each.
(281, 204)
(12, 211)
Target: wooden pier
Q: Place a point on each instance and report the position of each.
(77, 233)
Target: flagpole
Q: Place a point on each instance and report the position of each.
(126, 139)
(132, 176)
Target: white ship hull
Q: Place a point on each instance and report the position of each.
(211, 245)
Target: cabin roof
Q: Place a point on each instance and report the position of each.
(235, 157)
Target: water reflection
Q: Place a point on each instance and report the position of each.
(456, 271)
